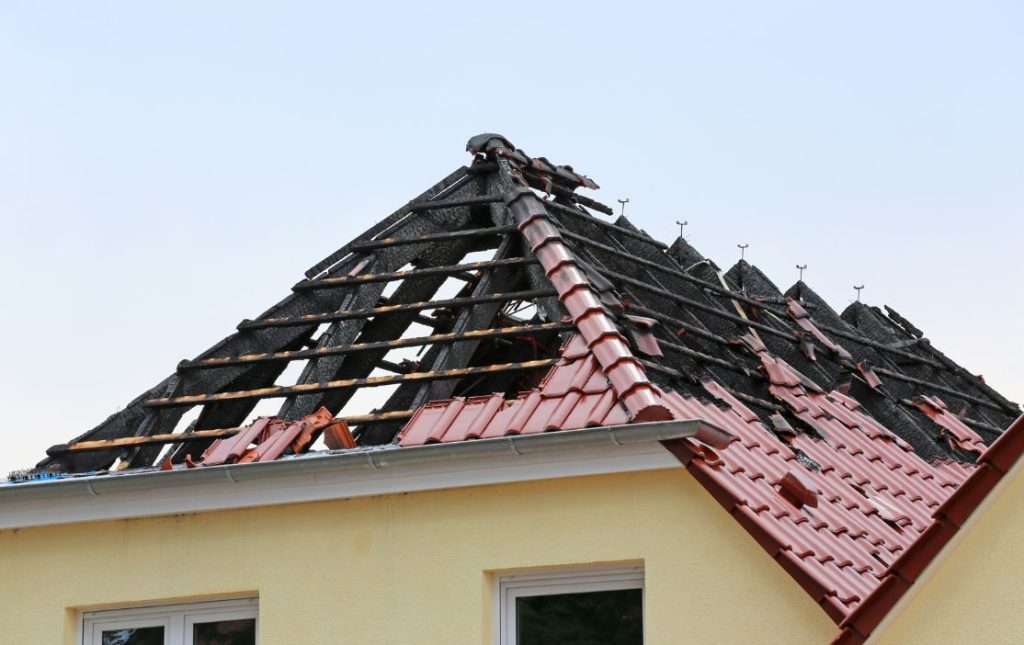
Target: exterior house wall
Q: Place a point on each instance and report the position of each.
(417, 567)
(972, 592)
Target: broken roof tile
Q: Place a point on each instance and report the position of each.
(839, 480)
(961, 435)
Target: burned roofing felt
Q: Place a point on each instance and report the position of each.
(850, 434)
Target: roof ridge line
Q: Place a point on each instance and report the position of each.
(576, 292)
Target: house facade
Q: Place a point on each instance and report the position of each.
(427, 565)
(591, 437)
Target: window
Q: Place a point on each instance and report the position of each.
(586, 606)
(231, 622)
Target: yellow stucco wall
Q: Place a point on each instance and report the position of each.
(415, 568)
(975, 592)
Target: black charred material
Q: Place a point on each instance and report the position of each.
(392, 276)
(469, 201)
(392, 309)
(451, 235)
(345, 384)
(504, 332)
(360, 315)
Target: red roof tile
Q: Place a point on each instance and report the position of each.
(953, 429)
(266, 439)
(846, 506)
(582, 301)
(574, 394)
(803, 319)
(839, 520)
(944, 522)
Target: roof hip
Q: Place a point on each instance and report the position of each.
(581, 300)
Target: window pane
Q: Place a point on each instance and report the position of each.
(134, 636)
(594, 618)
(225, 632)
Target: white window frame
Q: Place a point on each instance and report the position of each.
(176, 619)
(514, 586)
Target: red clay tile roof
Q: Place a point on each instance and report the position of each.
(955, 431)
(837, 508)
(837, 504)
(851, 512)
(946, 521)
(874, 494)
(582, 300)
(857, 448)
(269, 437)
(574, 394)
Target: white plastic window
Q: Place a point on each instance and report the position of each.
(229, 622)
(602, 605)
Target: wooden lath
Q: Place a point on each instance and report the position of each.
(204, 435)
(418, 341)
(345, 384)
(389, 242)
(445, 216)
(347, 281)
(316, 319)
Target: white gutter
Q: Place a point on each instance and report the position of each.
(349, 473)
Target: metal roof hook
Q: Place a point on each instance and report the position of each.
(682, 225)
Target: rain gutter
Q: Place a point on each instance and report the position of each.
(350, 473)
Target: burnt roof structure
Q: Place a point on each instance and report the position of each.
(498, 303)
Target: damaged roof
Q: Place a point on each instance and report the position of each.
(501, 301)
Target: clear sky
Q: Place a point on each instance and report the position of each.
(167, 169)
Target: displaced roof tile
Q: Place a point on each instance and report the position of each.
(844, 503)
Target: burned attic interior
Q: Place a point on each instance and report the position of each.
(455, 297)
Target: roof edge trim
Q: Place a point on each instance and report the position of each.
(953, 519)
(350, 473)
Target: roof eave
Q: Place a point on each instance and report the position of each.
(349, 473)
(951, 518)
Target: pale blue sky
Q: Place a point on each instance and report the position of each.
(167, 169)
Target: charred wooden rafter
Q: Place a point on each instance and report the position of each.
(482, 200)
(618, 230)
(703, 284)
(747, 398)
(438, 229)
(478, 334)
(346, 384)
(973, 423)
(614, 276)
(392, 326)
(729, 293)
(709, 359)
(543, 183)
(231, 413)
(316, 319)
(205, 435)
(388, 242)
(887, 348)
(346, 281)
(937, 387)
(387, 226)
(451, 357)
